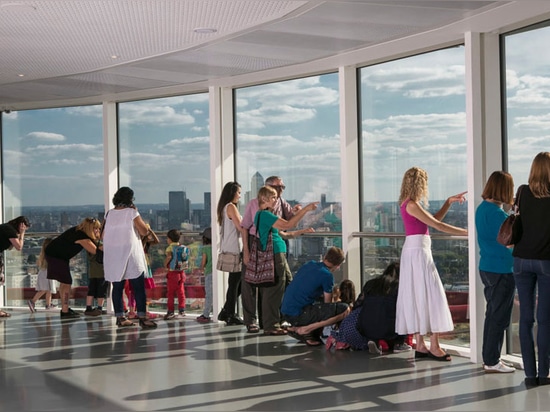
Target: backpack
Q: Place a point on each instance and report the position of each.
(180, 256)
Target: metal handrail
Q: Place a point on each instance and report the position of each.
(438, 236)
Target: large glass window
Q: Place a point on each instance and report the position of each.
(53, 174)
(291, 129)
(527, 78)
(164, 156)
(413, 114)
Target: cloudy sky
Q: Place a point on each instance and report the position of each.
(412, 114)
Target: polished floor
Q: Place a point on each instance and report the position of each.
(91, 365)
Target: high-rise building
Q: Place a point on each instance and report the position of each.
(206, 219)
(176, 209)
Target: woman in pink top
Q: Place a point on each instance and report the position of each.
(421, 302)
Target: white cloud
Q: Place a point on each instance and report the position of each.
(285, 102)
(142, 114)
(46, 136)
(416, 81)
(55, 149)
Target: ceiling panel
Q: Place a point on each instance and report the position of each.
(58, 49)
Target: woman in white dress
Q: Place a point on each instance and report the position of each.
(124, 257)
(421, 302)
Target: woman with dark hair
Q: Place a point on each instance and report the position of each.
(62, 249)
(124, 257)
(12, 235)
(229, 219)
(532, 270)
(495, 268)
(373, 317)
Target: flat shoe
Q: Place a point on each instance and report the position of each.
(253, 328)
(421, 355)
(442, 358)
(275, 332)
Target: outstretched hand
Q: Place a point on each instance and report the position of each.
(312, 206)
(460, 198)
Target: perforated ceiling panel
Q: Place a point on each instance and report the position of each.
(63, 49)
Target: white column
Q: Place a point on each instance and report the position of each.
(349, 135)
(484, 148)
(222, 167)
(110, 152)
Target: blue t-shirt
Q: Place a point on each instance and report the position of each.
(494, 257)
(267, 220)
(310, 282)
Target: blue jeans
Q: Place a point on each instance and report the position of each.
(499, 295)
(207, 295)
(138, 285)
(531, 274)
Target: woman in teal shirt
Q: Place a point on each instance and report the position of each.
(266, 222)
(495, 268)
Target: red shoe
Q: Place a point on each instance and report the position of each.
(203, 319)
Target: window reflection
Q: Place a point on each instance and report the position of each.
(413, 114)
(527, 103)
(53, 174)
(291, 129)
(164, 156)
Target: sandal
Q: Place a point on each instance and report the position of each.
(296, 335)
(275, 332)
(147, 323)
(123, 321)
(442, 358)
(4, 314)
(252, 328)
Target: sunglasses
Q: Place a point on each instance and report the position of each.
(282, 187)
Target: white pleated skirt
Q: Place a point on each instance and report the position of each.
(421, 302)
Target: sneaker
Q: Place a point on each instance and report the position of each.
(31, 306)
(182, 313)
(71, 314)
(92, 312)
(51, 306)
(402, 347)
(374, 348)
(330, 343)
(169, 316)
(498, 368)
(203, 319)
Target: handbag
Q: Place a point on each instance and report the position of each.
(229, 262)
(511, 229)
(260, 270)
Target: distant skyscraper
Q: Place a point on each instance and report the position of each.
(206, 220)
(176, 209)
(256, 183)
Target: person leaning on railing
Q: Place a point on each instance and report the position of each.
(12, 235)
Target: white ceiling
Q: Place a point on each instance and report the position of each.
(58, 50)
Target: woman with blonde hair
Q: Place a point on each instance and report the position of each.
(532, 270)
(421, 302)
(62, 249)
(267, 222)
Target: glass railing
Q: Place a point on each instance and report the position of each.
(22, 270)
(450, 255)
